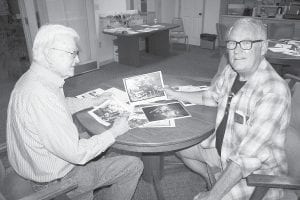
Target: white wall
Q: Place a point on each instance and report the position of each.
(211, 13)
(167, 10)
(105, 42)
(211, 16)
(110, 5)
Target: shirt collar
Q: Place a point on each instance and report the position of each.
(253, 78)
(47, 76)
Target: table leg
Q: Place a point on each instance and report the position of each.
(129, 52)
(158, 43)
(153, 172)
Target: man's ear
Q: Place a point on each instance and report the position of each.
(264, 47)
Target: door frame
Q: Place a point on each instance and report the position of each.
(31, 21)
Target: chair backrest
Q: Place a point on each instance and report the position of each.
(293, 135)
(179, 22)
(280, 30)
(221, 31)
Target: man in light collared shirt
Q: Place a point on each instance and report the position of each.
(42, 140)
(253, 114)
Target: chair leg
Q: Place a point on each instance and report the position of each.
(187, 44)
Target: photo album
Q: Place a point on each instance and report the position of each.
(145, 100)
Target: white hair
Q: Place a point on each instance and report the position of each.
(258, 27)
(46, 36)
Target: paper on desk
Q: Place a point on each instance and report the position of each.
(132, 32)
(119, 94)
(157, 26)
(147, 29)
(285, 46)
(285, 51)
(158, 124)
(276, 49)
(191, 88)
(91, 94)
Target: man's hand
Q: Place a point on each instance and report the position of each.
(171, 92)
(103, 97)
(203, 196)
(120, 125)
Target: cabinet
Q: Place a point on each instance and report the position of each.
(228, 20)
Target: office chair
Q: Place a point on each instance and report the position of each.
(278, 31)
(291, 183)
(178, 33)
(12, 186)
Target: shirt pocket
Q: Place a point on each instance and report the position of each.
(240, 125)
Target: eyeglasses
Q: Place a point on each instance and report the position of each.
(244, 44)
(74, 53)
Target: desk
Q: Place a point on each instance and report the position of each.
(153, 142)
(157, 43)
(283, 60)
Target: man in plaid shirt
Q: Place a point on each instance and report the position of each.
(253, 114)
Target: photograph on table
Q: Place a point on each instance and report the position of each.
(108, 111)
(174, 110)
(137, 118)
(145, 88)
(91, 94)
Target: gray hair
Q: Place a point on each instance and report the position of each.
(258, 27)
(46, 36)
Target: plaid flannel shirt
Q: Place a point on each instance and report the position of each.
(255, 133)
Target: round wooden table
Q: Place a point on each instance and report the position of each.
(153, 142)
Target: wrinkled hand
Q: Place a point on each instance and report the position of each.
(103, 97)
(202, 196)
(170, 92)
(120, 125)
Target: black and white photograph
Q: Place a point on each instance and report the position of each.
(125, 99)
(173, 110)
(144, 88)
(108, 111)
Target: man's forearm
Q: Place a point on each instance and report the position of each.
(193, 97)
(230, 177)
(75, 105)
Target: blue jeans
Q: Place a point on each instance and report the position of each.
(120, 173)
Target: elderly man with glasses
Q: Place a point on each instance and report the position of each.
(253, 114)
(43, 143)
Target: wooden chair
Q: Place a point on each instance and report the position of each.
(12, 186)
(291, 183)
(178, 33)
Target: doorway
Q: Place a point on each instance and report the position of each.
(192, 12)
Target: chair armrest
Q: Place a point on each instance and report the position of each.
(270, 181)
(2, 148)
(52, 191)
(291, 76)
